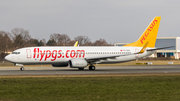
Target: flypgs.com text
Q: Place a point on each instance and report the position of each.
(54, 54)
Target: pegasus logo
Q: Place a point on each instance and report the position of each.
(150, 28)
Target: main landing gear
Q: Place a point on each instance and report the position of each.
(81, 68)
(92, 67)
(22, 68)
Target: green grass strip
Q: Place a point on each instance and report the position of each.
(110, 88)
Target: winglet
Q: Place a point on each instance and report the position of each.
(76, 44)
(144, 48)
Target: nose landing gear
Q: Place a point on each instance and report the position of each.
(22, 68)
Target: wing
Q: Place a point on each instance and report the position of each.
(93, 59)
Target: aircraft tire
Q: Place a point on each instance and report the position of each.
(92, 67)
(22, 68)
(81, 68)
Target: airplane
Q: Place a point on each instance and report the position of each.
(82, 56)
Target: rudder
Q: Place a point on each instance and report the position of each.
(149, 35)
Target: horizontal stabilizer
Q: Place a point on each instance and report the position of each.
(160, 48)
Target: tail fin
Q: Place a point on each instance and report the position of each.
(76, 44)
(149, 35)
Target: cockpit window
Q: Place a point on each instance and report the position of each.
(15, 52)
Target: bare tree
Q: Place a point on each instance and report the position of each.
(100, 42)
(72, 42)
(5, 41)
(44, 41)
(83, 40)
(21, 38)
(55, 37)
(61, 39)
(65, 40)
(51, 42)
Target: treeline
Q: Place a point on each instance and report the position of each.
(19, 38)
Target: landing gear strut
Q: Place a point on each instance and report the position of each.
(92, 67)
(21, 65)
(22, 68)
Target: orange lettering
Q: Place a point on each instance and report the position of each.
(142, 39)
(151, 26)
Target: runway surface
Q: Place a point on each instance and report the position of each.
(99, 70)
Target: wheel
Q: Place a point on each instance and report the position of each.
(22, 68)
(81, 68)
(92, 67)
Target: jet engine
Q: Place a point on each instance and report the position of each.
(78, 63)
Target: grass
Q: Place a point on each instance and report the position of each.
(103, 88)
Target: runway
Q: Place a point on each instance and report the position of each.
(144, 69)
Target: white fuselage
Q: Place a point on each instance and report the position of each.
(51, 55)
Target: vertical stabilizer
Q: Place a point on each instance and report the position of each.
(76, 44)
(149, 35)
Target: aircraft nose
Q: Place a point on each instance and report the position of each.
(7, 58)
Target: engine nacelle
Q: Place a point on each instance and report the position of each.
(78, 63)
(61, 64)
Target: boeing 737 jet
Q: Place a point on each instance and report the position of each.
(81, 57)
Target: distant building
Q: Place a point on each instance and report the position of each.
(165, 42)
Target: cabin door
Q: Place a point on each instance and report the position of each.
(136, 51)
(28, 52)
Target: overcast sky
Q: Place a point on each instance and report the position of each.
(113, 20)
